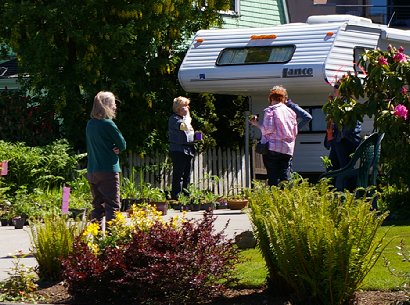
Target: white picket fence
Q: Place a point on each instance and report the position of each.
(220, 170)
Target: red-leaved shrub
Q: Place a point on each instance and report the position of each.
(165, 265)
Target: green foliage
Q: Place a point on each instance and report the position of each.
(251, 271)
(20, 286)
(112, 44)
(316, 242)
(220, 118)
(396, 200)
(195, 193)
(39, 203)
(381, 94)
(5, 204)
(185, 200)
(53, 240)
(39, 167)
(80, 193)
(128, 187)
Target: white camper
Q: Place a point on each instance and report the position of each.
(306, 58)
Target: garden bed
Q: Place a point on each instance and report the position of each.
(57, 294)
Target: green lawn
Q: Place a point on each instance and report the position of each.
(379, 277)
(252, 272)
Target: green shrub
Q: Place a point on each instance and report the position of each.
(395, 200)
(317, 243)
(52, 241)
(21, 285)
(43, 167)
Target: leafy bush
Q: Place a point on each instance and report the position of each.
(318, 243)
(39, 167)
(161, 263)
(52, 241)
(395, 200)
(382, 93)
(38, 203)
(20, 286)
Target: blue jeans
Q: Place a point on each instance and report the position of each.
(277, 167)
(181, 172)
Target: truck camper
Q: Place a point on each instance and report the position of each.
(306, 58)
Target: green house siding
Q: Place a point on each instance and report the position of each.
(261, 13)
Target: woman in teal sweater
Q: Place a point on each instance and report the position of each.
(104, 143)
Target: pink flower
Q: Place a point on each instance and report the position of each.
(401, 49)
(401, 111)
(382, 61)
(399, 57)
(403, 90)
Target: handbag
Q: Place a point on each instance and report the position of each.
(262, 148)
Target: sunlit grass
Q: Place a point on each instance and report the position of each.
(379, 277)
(252, 272)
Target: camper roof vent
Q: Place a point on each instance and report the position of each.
(336, 19)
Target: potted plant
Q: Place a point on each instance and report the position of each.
(5, 216)
(79, 205)
(185, 202)
(23, 207)
(238, 199)
(130, 193)
(156, 197)
(196, 196)
(209, 201)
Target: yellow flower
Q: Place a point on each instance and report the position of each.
(92, 229)
(94, 248)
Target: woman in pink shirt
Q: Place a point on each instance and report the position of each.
(279, 128)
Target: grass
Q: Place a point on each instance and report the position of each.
(251, 273)
(379, 277)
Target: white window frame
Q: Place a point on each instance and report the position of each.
(235, 12)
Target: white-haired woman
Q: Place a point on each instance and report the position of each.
(181, 145)
(104, 143)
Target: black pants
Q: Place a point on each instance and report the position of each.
(277, 167)
(105, 188)
(181, 172)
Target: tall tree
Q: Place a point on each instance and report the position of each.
(71, 49)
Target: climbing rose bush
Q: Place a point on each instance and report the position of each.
(381, 92)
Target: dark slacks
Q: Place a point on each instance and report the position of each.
(340, 153)
(277, 167)
(181, 172)
(105, 188)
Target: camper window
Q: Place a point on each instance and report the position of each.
(357, 53)
(318, 122)
(255, 55)
(318, 119)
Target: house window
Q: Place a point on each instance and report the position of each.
(234, 6)
(255, 55)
